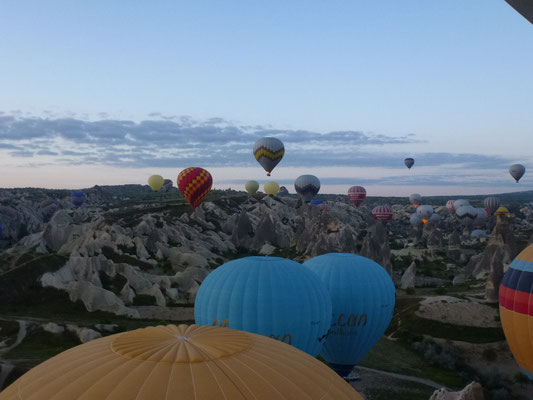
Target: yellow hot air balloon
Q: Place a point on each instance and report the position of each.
(271, 188)
(181, 363)
(251, 187)
(502, 211)
(156, 182)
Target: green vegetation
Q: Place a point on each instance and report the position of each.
(39, 345)
(399, 390)
(396, 357)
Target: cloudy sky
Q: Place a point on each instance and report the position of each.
(111, 92)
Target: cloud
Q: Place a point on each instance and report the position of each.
(178, 142)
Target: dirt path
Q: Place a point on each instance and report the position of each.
(422, 381)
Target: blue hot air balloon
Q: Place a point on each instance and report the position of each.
(409, 162)
(77, 198)
(270, 296)
(363, 298)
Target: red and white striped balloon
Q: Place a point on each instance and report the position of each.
(357, 194)
(382, 213)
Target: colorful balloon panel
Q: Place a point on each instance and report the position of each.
(271, 296)
(195, 184)
(516, 308)
(492, 204)
(357, 195)
(268, 152)
(363, 299)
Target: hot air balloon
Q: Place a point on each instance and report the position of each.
(307, 186)
(435, 219)
(460, 203)
(481, 217)
(466, 215)
(415, 199)
(251, 187)
(409, 162)
(167, 185)
(416, 220)
(516, 310)
(317, 202)
(271, 188)
(181, 363)
(502, 211)
(270, 296)
(268, 152)
(156, 182)
(382, 213)
(450, 206)
(492, 204)
(195, 184)
(425, 212)
(477, 233)
(363, 297)
(77, 198)
(517, 171)
(357, 195)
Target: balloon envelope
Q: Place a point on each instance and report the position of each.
(416, 220)
(195, 184)
(415, 199)
(357, 195)
(181, 363)
(268, 152)
(460, 203)
(382, 213)
(251, 187)
(77, 198)
(156, 182)
(271, 188)
(307, 186)
(516, 308)
(476, 233)
(450, 206)
(481, 217)
(409, 162)
(492, 204)
(517, 171)
(363, 298)
(466, 215)
(425, 211)
(270, 296)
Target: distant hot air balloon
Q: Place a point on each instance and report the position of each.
(481, 217)
(460, 203)
(492, 204)
(268, 152)
(516, 310)
(307, 186)
(363, 297)
(435, 219)
(416, 220)
(517, 171)
(156, 182)
(357, 195)
(185, 362)
(195, 184)
(77, 198)
(450, 206)
(409, 162)
(382, 213)
(415, 199)
(271, 188)
(271, 296)
(477, 233)
(502, 211)
(167, 185)
(466, 215)
(425, 212)
(251, 187)
(317, 202)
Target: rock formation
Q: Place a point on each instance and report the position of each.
(473, 391)
(408, 277)
(376, 246)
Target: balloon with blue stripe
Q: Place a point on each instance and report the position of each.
(271, 296)
(363, 298)
(77, 198)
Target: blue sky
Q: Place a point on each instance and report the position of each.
(352, 87)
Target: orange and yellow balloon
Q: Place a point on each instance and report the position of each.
(516, 309)
(195, 184)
